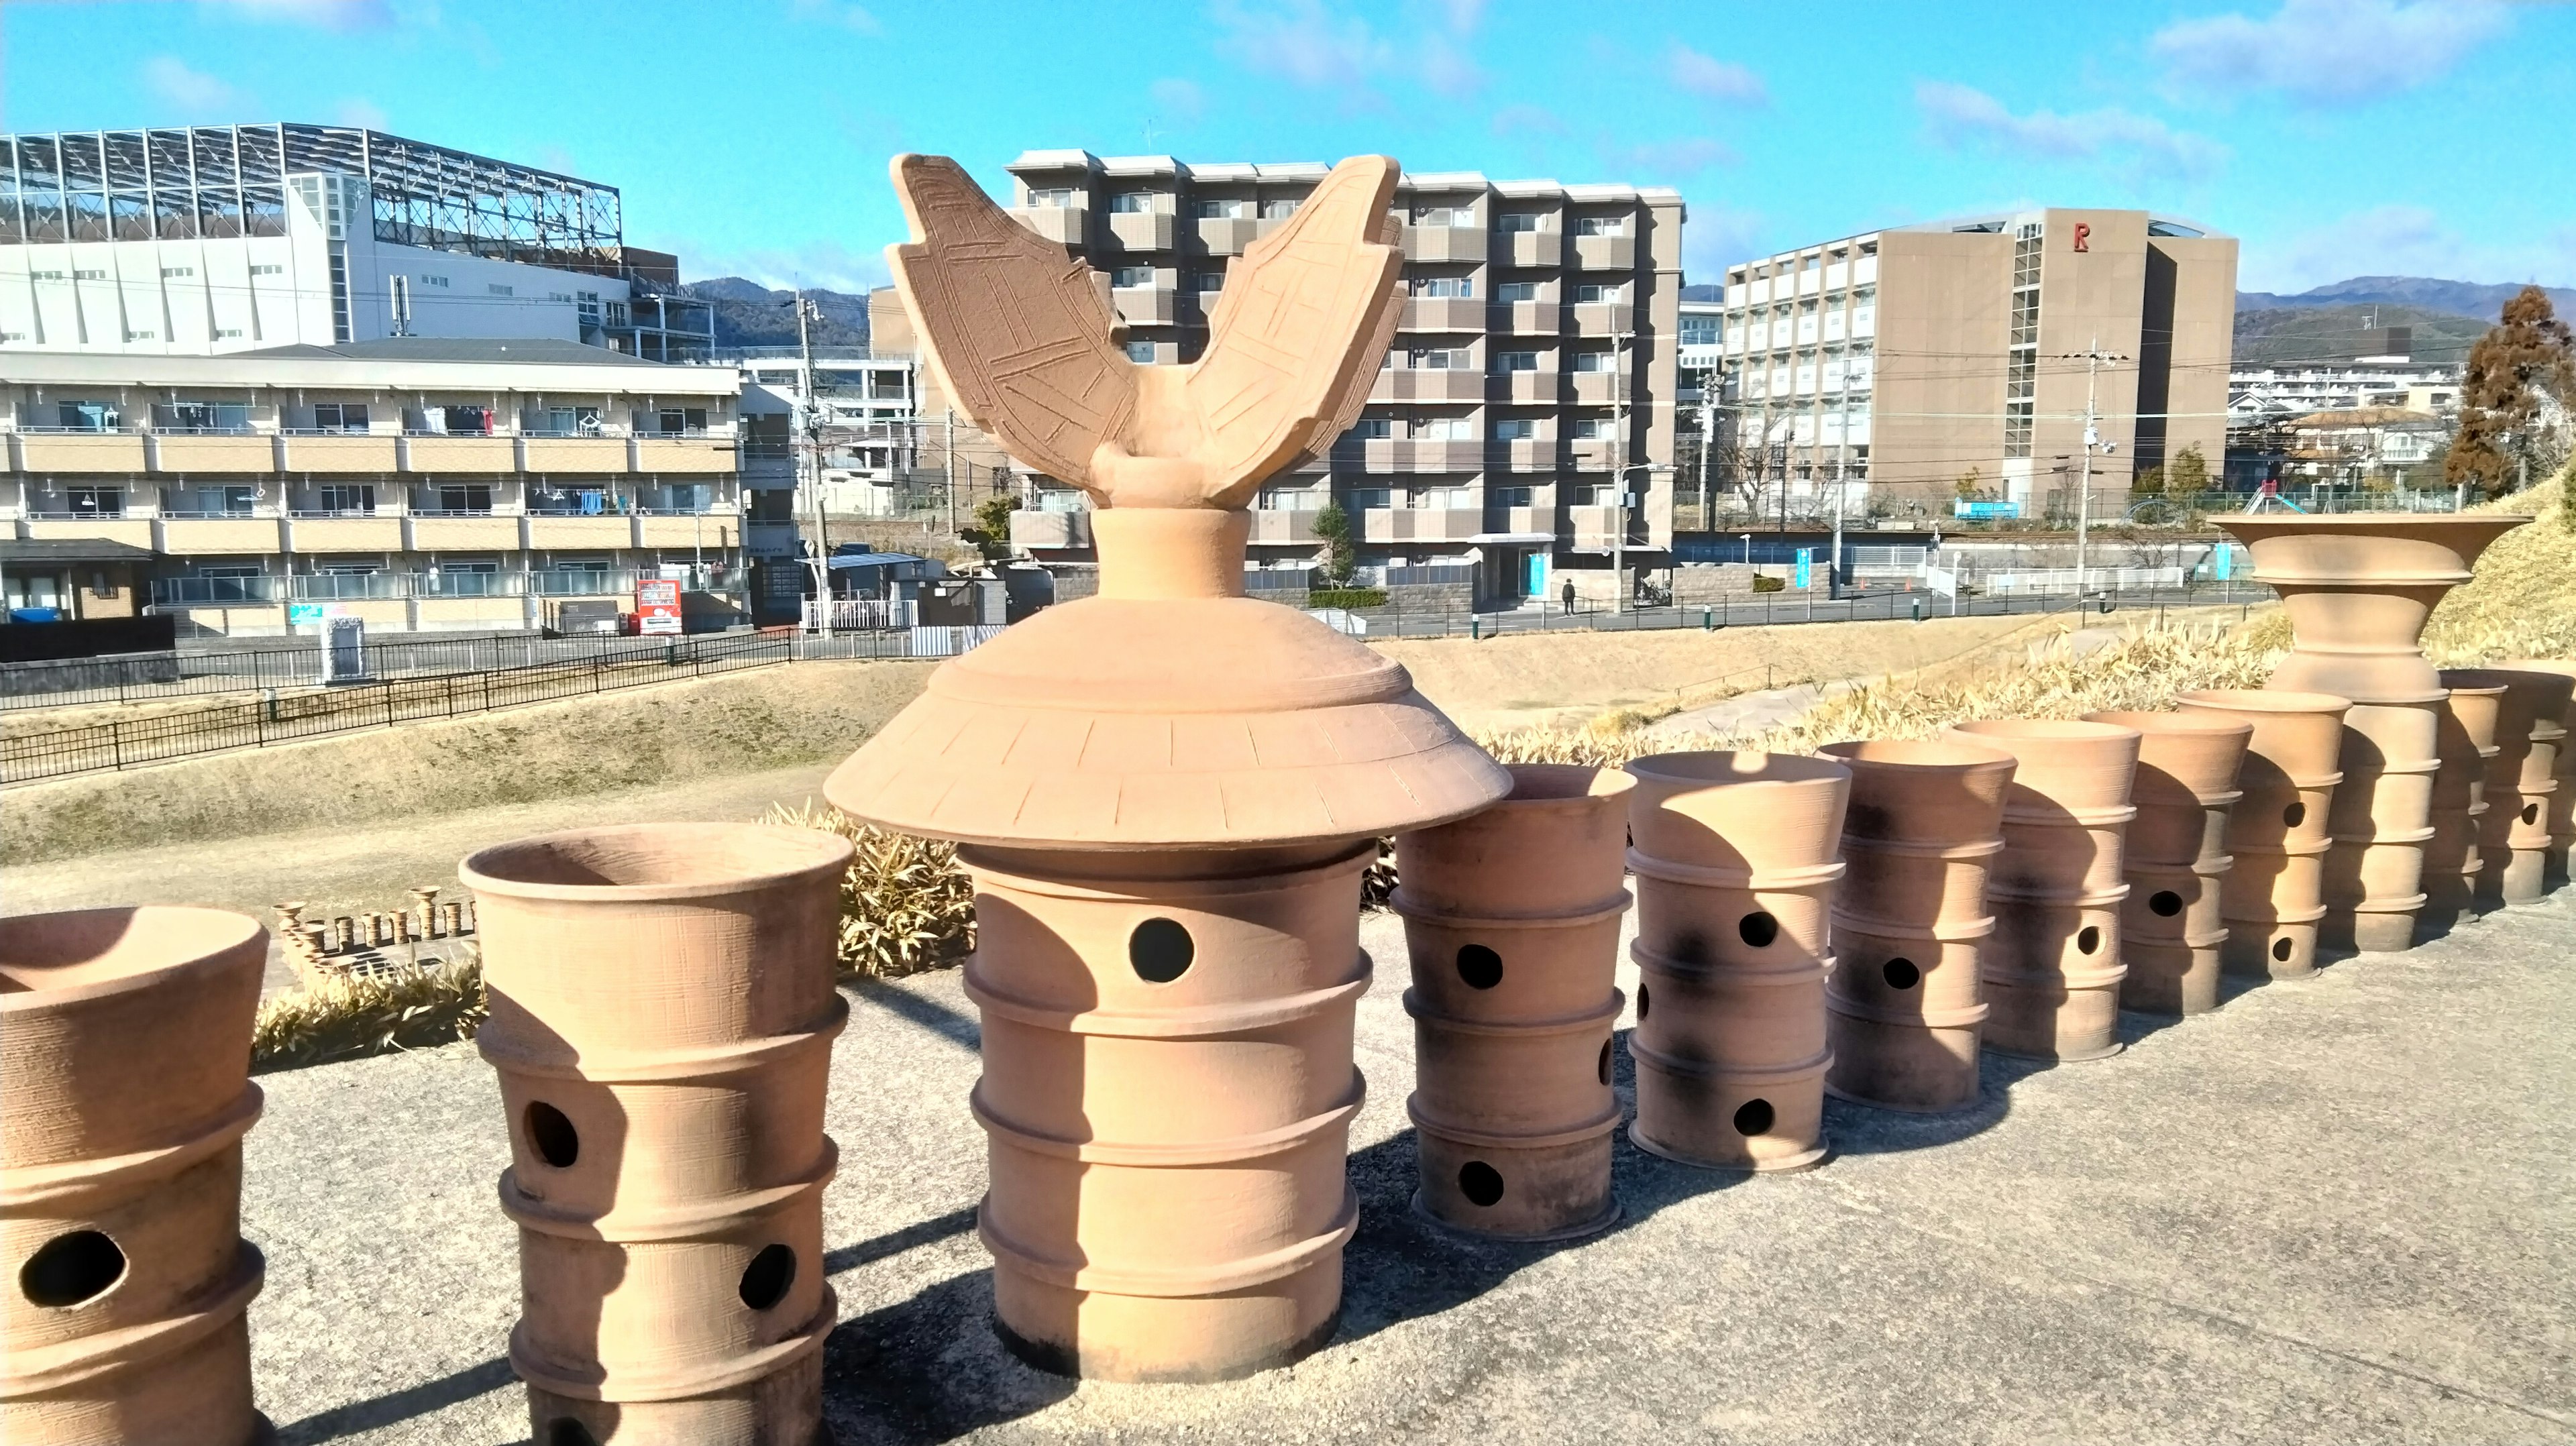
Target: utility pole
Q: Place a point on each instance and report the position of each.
(2092, 357)
(948, 455)
(809, 461)
(1619, 471)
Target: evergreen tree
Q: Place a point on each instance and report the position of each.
(2523, 362)
(2189, 472)
(1341, 559)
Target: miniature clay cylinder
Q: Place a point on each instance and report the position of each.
(1511, 920)
(2273, 897)
(125, 1039)
(2052, 970)
(2176, 859)
(662, 1016)
(1734, 857)
(2513, 836)
(1905, 1008)
(2562, 799)
(2452, 857)
(2358, 589)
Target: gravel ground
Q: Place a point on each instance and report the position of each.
(2339, 1211)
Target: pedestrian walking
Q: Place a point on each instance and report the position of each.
(1568, 596)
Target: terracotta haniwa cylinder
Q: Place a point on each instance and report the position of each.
(2359, 588)
(2273, 897)
(1734, 857)
(124, 1094)
(2052, 971)
(2452, 859)
(2562, 799)
(662, 1020)
(2176, 857)
(2522, 779)
(1511, 919)
(1905, 1008)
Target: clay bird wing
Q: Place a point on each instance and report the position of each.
(1011, 323)
(1299, 331)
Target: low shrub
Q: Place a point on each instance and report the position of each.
(905, 904)
(362, 1014)
(1346, 597)
(1763, 582)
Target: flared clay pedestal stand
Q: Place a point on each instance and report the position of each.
(2175, 857)
(2052, 971)
(2562, 799)
(1511, 919)
(2513, 836)
(662, 1016)
(2274, 894)
(1905, 1008)
(125, 1041)
(1734, 858)
(2453, 858)
(2358, 589)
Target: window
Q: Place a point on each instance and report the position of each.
(275, 270)
(459, 421)
(573, 421)
(439, 281)
(1132, 203)
(1054, 198)
(1699, 330)
(1444, 360)
(1514, 429)
(1278, 210)
(1442, 286)
(1293, 499)
(94, 501)
(1518, 222)
(1373, 429)
(349, 500)
(224, 333)
(215, 501)
(497, 289)
(1595, 292)
(89, 276)
(1211, 281)
(202, 416)
(1131, 277)
(681, 421)
(1601, 226)
(1592, 429)
(1441, 429)
(44, 276)
(1141, 353)
(473, 497)
(89, 416)
(1593, 361)
(1444, 216)
(562, 296)
(339, 417)
(1436, 497)
(1516, 291)
(171, 271)
(1225, 210)
(1507, 496)
(141, 335)
(1515, 361)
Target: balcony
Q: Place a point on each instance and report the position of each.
(1445, 243)
(1275, 525)
(75, 452)
(1141, 230)
(1540, 388)
(1047, 531)
(346, 586)
(1597, 528)
(1605, 253)
(1526, 318)
(581, 582)
(1538, 248)
(489, 456)
(217, 591)
(1064, 225)
(1146, 305)
(1421, 524)
(1597, 389)
(1604, 318)
(1227, 235)
(1443, 313)
(462, 534)
(346, 534)
(342, 452)
(1524, 454)
(1521, 521)
(690, 529)
(1442, 456)
(1427, 385)
(577, 531)
(1593, 454)
(194, 536)
(133, 531)
(574, 454)
(683, 454)
(211, 453)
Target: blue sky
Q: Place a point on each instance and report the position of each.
(2337, 137)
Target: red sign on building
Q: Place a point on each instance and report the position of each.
(657, 605)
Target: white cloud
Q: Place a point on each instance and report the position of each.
(2329, 51)
(1463, 16)
(1448, 70)
(1959, 115)
(2403, 240)
(1181, 102)
(856, 18)
(357, 110)
(828, 265)
(190, 91)
(329, 14)
(1713, 79)
(1530, 120)
(1317, 45)
(1671, 160)
(1715, 237)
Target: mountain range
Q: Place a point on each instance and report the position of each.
(2426, 293)
(2328, 323)
(750, 314)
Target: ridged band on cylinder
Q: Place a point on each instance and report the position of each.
(663, 1010)
(2521, 786)
(2272, 899)
(125, 1039)
(2561, 813)
(2171, 924)
(1167, 1093)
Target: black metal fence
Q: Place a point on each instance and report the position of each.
(1780, 609)
(30, 752)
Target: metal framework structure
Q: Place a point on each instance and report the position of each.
(223, 181)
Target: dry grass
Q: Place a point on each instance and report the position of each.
(356, 1015)
(2522, 602)
(905, 905)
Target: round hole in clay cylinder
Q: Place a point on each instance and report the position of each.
(1605, 1061)
(70, 1269)
(2294, 815)
(1481, 1183)
(1160, 950)
(1757, 929)
(2281, 949)
(2531, 813)
(1480, 967)
(765, 1280)
(568, 1432)
(2087, 939)
(551, 1135)
(1641, 1003)
(2165, 903)
(1753, 1117)
(1901, 974)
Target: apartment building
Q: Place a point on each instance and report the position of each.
(1891, 366)
(1529, 391)
(210, 240)
(421, 484)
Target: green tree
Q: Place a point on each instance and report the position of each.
(991, 529)
(1341, 558)
(2148, 482)
(2189, 472)
(1968, 486)
(2524, 360)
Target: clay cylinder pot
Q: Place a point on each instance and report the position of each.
(2176, 857)
(125, 1041)
(1734, 858)
(1511, 919)
(2052, 972)
(662, 1020)
(1167, 1091)
(2273, 897)
(2467, 720)
(2380, 823)
(2562, 799)
(1904, 1006)
(2513, 835)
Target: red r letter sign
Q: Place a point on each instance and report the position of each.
(2083, 233)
